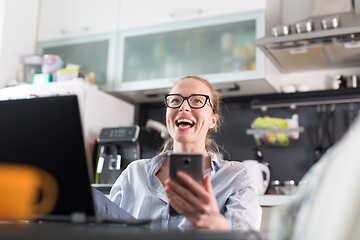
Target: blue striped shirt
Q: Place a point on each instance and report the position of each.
(139, 192)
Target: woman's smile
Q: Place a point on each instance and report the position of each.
(184, 123)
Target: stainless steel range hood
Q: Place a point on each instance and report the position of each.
(319, 49)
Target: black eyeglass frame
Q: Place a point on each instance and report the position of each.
(187, 99)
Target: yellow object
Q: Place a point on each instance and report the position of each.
(66, 74)
(20, 187)
(63, 70)
(253, 66)
(280, 139)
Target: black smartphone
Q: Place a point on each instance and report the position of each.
(190, 163)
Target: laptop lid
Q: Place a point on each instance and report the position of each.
(47, 133)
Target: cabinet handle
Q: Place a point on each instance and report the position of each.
(229, 88)
(186, 13)
(74, 30)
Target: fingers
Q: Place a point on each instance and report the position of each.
(180, 204)
(176, 191)
(193, 186)
(207, 184)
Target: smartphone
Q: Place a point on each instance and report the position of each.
(190, 163)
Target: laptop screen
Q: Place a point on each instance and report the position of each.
(47, 133)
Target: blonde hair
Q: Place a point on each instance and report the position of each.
(210, 144)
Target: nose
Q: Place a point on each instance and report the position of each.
(185, 106)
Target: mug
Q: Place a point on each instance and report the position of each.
(26, 192)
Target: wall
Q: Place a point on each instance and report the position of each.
(294, 10)
(287, 163)
(291, 11)
(2, 13)
(18, 36)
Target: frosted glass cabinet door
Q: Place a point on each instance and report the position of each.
(94, 53)
(217, 48)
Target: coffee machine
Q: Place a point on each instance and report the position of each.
(116, 148)
(119, 146)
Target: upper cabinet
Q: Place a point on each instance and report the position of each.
(139, 48)
(73, 18)
(221, 49)
(141, 13)
(60, 19)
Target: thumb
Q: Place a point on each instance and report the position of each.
(207, 183)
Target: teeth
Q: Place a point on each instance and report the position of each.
(184, 121)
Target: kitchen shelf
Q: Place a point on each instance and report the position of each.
(277, 130)
(305, 103)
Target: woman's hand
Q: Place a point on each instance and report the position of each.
(198, 204)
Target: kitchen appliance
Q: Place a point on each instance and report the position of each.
(32, 66)
(261, 172)
(116, 149)
(333, 42)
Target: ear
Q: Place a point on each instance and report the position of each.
(213, 121)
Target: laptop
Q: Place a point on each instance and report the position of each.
(47, 133)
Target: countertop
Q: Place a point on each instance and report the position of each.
(275, 200)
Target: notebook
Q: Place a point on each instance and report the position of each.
(47, 133)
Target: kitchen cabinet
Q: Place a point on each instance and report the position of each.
(152, 46)
(141, 13)
(94, 53)
(59, 19)
(71, 18)
(221, 49)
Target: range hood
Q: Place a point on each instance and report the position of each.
(318, 49)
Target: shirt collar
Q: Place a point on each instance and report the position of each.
(156, 162)
(215, 162)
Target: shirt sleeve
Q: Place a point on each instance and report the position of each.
(116, 192)
(242, 206)
(107, 209)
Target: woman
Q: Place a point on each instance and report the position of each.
(228, 199)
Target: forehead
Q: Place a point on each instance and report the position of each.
(190, 86)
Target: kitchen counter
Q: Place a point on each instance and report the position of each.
(268, 203)
(275, 200)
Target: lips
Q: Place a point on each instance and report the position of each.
(184, 123)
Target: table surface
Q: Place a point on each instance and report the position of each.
(78, 231)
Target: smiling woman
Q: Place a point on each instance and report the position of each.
(197, 101)
(227, 198)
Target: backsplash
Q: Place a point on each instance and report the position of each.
(286, 163)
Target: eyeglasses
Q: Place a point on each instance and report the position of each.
(195, 101)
